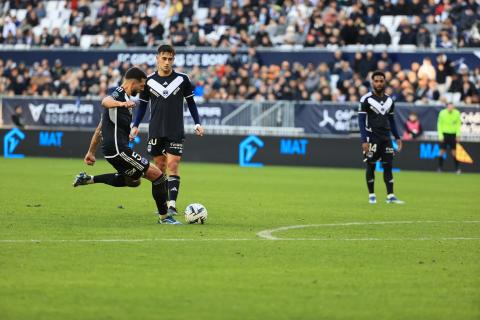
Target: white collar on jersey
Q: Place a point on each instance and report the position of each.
(165, 91)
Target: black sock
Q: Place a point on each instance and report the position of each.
(388, 177)
(370, 176)
(113, 179)
(173, 187)
(160, 194)
(440, 162)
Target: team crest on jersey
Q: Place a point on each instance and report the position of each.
(165, 92)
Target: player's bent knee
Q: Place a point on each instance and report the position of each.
(153, 173)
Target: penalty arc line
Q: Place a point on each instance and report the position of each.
(267, 234)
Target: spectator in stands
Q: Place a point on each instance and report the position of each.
(161, 11)
(9, 27)
(118, 42)
(407, 35)
(427, 70)
(383, 36)
(348, 33)
(423, 38)
(31, 19)
(175, 11)
(17, 117)
(469, 93)
(432, 94)
(413, 128)
(445, 41)
(234, 59)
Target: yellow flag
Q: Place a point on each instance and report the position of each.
(462, 155)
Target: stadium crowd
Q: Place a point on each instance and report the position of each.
(218, 23)
(247, 24)
(246, 77)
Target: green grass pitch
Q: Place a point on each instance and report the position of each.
(427, 266)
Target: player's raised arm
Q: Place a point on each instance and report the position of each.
(141, 110)
(92, 149)
(110, 102)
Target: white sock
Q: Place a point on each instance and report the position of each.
(371, 195)
(172, 203)
(391, 195)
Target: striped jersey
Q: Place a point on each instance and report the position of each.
(116, 125)
(166, 96)
(378, 109)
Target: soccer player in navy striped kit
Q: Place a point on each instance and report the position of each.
(376, 121)
(165, 92)
(114, 130)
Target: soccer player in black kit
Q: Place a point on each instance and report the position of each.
(376, 122)
(114, 129)
(165, 90)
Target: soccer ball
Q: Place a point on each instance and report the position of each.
(196, 213)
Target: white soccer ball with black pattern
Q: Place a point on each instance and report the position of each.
(196, 213)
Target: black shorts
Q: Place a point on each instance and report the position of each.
(449, 140)
(162, 146)
(379, 150)
(129, 163)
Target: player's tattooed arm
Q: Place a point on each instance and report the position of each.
(97, 136)
(110, 102)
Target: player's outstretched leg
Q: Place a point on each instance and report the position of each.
(388, 179)
(112, 179)
(160, 193)
(370, 177)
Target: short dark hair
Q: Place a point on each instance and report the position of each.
(166, 48)
(378, 73)
(135, 73)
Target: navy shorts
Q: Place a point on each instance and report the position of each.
(379, 149)
(129, 163)
(162, 146)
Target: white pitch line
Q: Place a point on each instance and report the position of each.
(121, 240)
(16, 241)
(267, 234)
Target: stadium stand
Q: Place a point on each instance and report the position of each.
(248, 25)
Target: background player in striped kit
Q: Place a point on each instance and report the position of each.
(166, 90)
